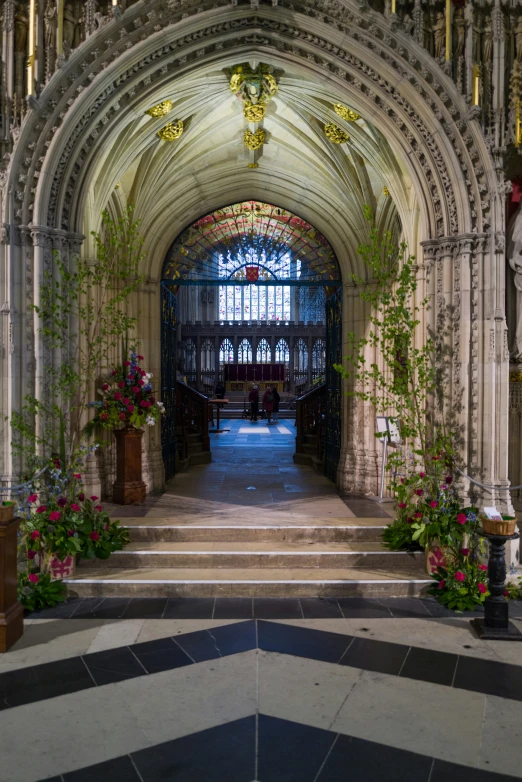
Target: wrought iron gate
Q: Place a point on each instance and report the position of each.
(334, 343)
(168, 379)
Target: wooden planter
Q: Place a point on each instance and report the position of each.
(62, 568)
(129, 488)
(11, 611)
(6, 512)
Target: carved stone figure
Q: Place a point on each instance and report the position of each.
(514, 255)
(51, 24)
(459, 22)
(439, 32)
(488, 44)
(71, 25)
(518, 39)
(21, 27)
(477, 39)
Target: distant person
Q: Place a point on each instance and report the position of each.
(268, 404)
(220, 391)
(277, 399)
(253, 398)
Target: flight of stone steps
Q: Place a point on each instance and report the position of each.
(294, 558)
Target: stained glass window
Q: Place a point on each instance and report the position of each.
(244, 352)
(318, 359)
(282, 353)
(226, 352)
(264, 354)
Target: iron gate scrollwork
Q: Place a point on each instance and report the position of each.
(334, 343)
(168, 379)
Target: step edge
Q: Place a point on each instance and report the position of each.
(416, 554)
(227, 581)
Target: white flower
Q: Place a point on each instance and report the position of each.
(150, 420)
(161, 406)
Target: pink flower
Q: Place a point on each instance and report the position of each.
(94, 536)
(143, 403)
(104, 416)
(460, 576)
(434, 504)
(70, 532)
(130, 377)
(75, 507)
(482, 588)
(464, 552)
(401, 504)
(152, 399)
(422, 475)
(31, 554)
(33, 578)
(435, 458)
(41, 509)
(62, 502)
(107, 526)
(121, 384)
(136, 389)
(114, 372)
(443, 486)
(93, 498)
(98, 507)
(34, 535)
(32, 498)
(105, 387)
(442, 584)
(126, 363)
(122, 416)
(483, 567)
(419, 492)
(140, 358)
(418, 515)
(141, 382)
(130, 408)
(117, 396)
(77, 476)
(55, 515)
(81, 497)
(505, 593)
(461, 518)
(126, 400)
(402, 480)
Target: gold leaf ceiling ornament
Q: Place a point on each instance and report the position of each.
(161, 109)
(254, 112)
(335, 134)
(385, 192)
(171, 131)
(254, 140)
(348, 114)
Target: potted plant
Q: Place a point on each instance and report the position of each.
(127, 405)
(6, 511)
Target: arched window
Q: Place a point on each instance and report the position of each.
(282, 352)
(208, 358)
(188, 352)
(226, 352)
(318, 360)
(301, 366)
(264, 354)
(244, 352)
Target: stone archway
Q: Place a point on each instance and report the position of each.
(88, 128)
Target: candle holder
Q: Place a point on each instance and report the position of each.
(496, 625)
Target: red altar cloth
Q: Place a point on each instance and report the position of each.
(250, 373)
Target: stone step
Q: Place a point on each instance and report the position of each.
(142, 531)
(240, 582)
(258, 555)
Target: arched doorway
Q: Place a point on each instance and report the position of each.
(245, 282)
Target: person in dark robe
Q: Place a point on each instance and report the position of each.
(253, 398)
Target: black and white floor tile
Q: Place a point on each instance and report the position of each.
(369, 697)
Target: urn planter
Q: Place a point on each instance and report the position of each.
(129, 488)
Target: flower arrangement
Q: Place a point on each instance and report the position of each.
(36, 591)
(461, 585)
(127, 398)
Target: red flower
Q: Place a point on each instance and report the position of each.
(33, 578)
(460, 576)
(62, 502)
(121, 384)
(97, 507)
(75, 507)
(140, 358)
(130, 408)
(409, 520)
(135, 389)
(461, 518)
(141, 382)
(419, 492)
(122, 416)
(442, 584)
(31, 554)
(130, 377)
(55, 515)
(418, 515)
(126, 363)
(70, 532)
(104, 416)
(464, 552)
(402, 480)
(117, 396)
(41, 509)
(482, 588)
(435, 458)
(93, 498)
(105, 387)
(114, 372)
(505, 593)
(94, 536)
(107, 526)
(483, 567)
(35, 535)
(81, 497)
(434, 504)
(449, 479)
(126, 400)
(143, 403)
(57, 464)
(401, 504)
(422, 475)
(32, 498)
(77, 476)
(152, 399)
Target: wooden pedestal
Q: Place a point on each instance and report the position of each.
(11, 611)
(129, 487)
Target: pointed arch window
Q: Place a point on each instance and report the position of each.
(301, 366)
(208, 356)
(282, 352)
(189, 355)
(244, 352)
(318, 359)
(226, 352)
(264, 353)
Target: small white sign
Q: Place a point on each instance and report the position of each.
(393, 429)
(382, 424)
(492, 513)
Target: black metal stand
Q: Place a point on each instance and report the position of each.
(218, 429)
(496, 625)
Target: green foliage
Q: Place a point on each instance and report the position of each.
(37, 591)
(514, 590)
(460, 585)
(398, 537)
